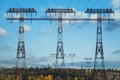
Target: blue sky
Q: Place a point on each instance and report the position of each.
(41, 36)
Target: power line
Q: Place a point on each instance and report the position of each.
(41, 2)
(15, 3)
(3, 21)
(96, 2)
(86, 5)
(83, 9)
(3, 9)
(18, 3)
(69, 3)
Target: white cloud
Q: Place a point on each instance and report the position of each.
(117, 14)
(42, 9)
(45, 31)
(114, 24)
(38, 60)
(11, 15)
(94, 16)
(78, 14)
(81, 15)
(27, 28)
(7, 15)
(115, 3)
(116, 52)
(31, 61)
(2, 32)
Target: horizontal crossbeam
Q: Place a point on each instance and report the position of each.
(64, 19)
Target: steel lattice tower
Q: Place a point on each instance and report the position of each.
(21, 62)
(60, 50)
(21, 57)
(60, 19)
(99, 65)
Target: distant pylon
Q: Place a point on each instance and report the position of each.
(72, 56)
(59, 62)
(53, 60)
(99, 72)
(88, 65)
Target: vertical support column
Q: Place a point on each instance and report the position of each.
(60, 50)
(99, 67)
(21, 58)
(21, 63)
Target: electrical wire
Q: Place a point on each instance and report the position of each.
(86, 5)
(68, 3)
(95, 3)
(3, 21)
(16, 3)
(3, 9)
(83, 9)
(41, 2)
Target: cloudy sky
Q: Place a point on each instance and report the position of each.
(41, 36)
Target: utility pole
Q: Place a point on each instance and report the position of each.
(99, 66)
(59, 62)
(21, 56)
(72, 56)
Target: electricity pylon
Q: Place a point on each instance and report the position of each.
(99, 72)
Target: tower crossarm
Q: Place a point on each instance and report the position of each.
(52, 10)
(99, 11)
(21, 10)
